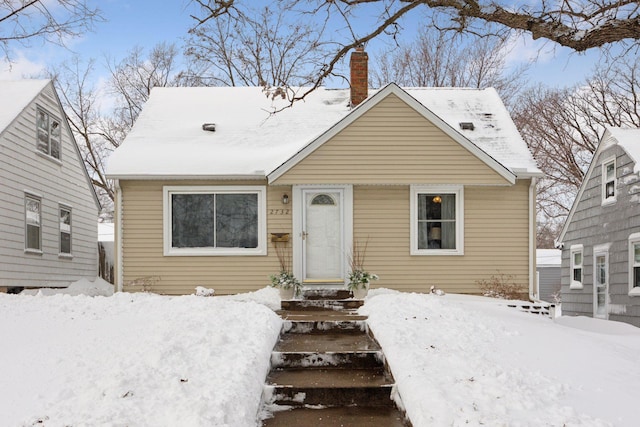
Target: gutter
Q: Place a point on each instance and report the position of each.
(533, 288)
(118, 237)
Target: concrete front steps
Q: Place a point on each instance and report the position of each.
(327, 369)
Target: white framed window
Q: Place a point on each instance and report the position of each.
(65, 230)
(609, 181)
(634, 264)
(214, 220)
(576, 253)
(33, 223)
(48, 131)
(437, 220)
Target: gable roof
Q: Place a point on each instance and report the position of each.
(250, 142)
(629, 140)
(15, 96)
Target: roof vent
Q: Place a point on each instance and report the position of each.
(467, 126)
(211, 127)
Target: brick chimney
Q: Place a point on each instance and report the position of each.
(359, 75)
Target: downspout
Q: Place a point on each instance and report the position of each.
(118, 237)
(533, 287)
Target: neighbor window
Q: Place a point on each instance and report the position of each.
(436, 220)
(609, 181)
(214, 220)
(65, 230)
(48, 130)
(634, 264)
(576, 267)
(33, 223)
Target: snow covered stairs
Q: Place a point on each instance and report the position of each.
(327, 369)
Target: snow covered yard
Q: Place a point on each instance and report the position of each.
(141, 359)
(133, 359)
(462, 360)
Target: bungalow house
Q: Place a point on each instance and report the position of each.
(601, 238)
(437, 182)
(49, 210)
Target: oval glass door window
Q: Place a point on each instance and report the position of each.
(323, 199)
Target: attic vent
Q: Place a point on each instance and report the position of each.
(211, 127)
(467, 126)
(488, 115)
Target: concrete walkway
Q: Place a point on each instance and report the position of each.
(327, 369)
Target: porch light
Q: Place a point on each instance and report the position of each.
(437, 199)
(285, 199)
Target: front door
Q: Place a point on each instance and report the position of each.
(601, 285)
(323, 235)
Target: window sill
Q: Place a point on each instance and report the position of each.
(33, 251)
(212, 252)
(576, 285)
(436, 252)
(65, 256)
(609, 202)
(634, 292)
(48, 157)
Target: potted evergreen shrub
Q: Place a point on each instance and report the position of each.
(288, 285)
(359, 278)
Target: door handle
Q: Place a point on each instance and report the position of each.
(304, 235)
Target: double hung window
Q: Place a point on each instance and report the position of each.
(609, 181)
(65, 230)
(576, 267)
(437, 220)
(33, 223)
(48, 134)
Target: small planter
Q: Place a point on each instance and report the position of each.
(287, 294)
(360, 293)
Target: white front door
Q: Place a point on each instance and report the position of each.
(323, 235)
(601, 285)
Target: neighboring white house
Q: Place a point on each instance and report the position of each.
(48, 208)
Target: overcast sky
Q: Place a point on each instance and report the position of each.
(147, 22)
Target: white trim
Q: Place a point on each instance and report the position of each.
(371, 102)
(259, 190)
(248, 177)
(417, 189)
(603, 178)
(534, 281)
(634, 239)
(574, 284)
(297, 193)
(118, 237)
(600, 250)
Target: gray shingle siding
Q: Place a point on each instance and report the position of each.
(593, 224)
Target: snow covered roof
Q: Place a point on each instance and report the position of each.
(629, 140)
(15, 95)
(548, 257)
(168, 139)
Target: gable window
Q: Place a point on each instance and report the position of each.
(48, 134)
(65, 230)
(634, 264)
(609, 181)
(437, 220)
(33, 224)
(215, 220)
(576, 267)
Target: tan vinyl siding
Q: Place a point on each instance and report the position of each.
(143, 245)
(391, 144)
(24, 169)
(496, 239)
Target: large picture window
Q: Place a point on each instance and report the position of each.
(436, 220)
(33, 223)
(48, 134)
(214, 220)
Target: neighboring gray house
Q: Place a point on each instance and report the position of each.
(548, 267)
(48, 208)
(601, 237)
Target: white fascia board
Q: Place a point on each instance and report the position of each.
(587, 176)
(367, 105)
(252, 177)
